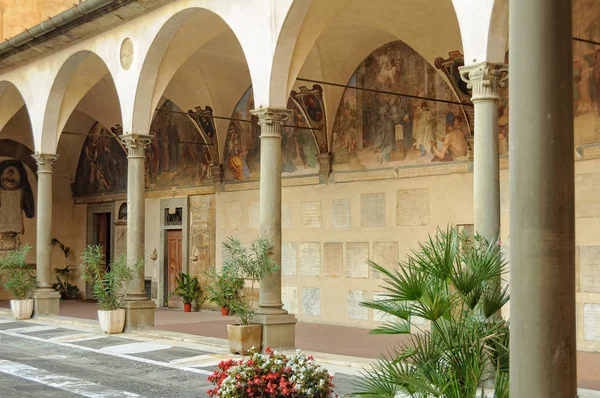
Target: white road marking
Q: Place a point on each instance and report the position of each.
(135, 348)
(30, 329)
(66, 383)
(114, 354)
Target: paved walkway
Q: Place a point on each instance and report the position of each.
(340, 344)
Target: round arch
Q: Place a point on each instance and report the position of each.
(11, 102)
(76, 77)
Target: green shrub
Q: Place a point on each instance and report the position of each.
(188, 288)
(20, 278)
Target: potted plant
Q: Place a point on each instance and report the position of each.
(108, 286)
(67, 290)
(222, 288)
(188, 289)
(20, 280)
(271, 375)
(246, 263)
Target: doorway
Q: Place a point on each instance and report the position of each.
(174, 263)
(100, 232)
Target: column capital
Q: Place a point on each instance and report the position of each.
(136, 144)
(44, 161)
(271, 117)
(484, 78)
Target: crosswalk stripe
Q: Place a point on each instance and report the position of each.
(66, 383)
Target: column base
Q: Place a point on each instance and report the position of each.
(278, 331)
(45, 302)
(139, 314)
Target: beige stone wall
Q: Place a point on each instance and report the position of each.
(18, 15)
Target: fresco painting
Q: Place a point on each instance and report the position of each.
(586, 71)
(242, 146)
(373, 130)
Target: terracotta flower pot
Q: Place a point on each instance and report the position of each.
(112, 322)
(187, 307)
(244, 338)
(22, 309)
(224, 311)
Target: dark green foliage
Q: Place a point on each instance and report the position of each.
(20, 278)
(188, 288)
(454, 282)
(108, 287)
(67, 290)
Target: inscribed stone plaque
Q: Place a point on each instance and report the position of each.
(254, 215)
(310, 259)
(11, 215)
(288, 258)
(412, 207)
(381, 316)
(589, 268)
(591, 322)
(341, 213)
(311, 214)
(385, 254)
(311, 301)
(121, 246)
(355, 310)
(232, 215)
(587, 195)
(333, 259)
(357, 254)
(372, 210)
(289, 297)
(286, 215)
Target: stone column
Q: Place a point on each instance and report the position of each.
(139, 308)
(483, 79)
(46, 299)
(279, 327)
(542, 221)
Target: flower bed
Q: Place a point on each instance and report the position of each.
(271, 375)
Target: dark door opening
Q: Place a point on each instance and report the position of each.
(100, 236)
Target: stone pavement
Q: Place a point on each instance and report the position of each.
(342, 349)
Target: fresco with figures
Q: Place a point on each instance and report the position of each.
(586, 71)
(298, 145)
(180, 154)
(373, 130)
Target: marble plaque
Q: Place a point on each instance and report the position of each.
(121, 240)
(372, 210)
(341, 213)
(11, 214)
(254, 215)
(381, 316)
(357, 254)
(589, 268)
(587, 195)
(591, 322)
(311, 214)
(288, 258)
(289, 297)
(333, 259)
(232, 215)
(412, 207)
(286, 215)
(310, 259)
(311, 301)
(385, 254)
(355, 310)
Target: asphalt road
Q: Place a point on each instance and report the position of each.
(50, 361)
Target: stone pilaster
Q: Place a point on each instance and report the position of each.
(139, 308)
(483, 79)
(543, 352)
(279, 327)
(324, 167)
(46, 299)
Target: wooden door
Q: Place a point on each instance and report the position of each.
(174, 263)
(100, 237)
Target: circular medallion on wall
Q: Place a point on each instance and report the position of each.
(126, 53)
(11, 178)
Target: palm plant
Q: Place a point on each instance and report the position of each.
(452, 281)
(188, 288)
(20, 278)
(108, 286)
